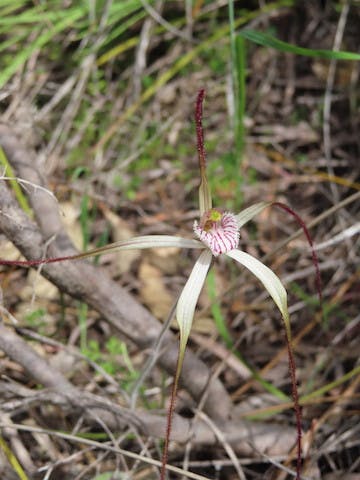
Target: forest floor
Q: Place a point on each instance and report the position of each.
(97, 119)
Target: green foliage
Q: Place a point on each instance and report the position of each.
(252, 176)
(35, 319)
(45, 21)
(225, 179)
(216, 311)
(7, 451)
(216, 57)
(21, 198)
(267, 40)
(238, 60)
(312, 301)
(114, 359)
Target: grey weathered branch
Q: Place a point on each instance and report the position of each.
(90, 283)
(273, 439)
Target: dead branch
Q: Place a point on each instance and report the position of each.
(16, 398)
(92, 285)
(89, 283)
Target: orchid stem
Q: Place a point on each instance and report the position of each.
(297, 408)
(292, 366)
(311, 244)
(170, 413)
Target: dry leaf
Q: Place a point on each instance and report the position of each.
(69, 216)
(38, 287)
(9, 251)
(154, 293)
(122, 260)
(165, 259)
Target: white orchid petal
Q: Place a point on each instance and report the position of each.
(268, 278)
(249, 213)
(190, 295)
(148, 241)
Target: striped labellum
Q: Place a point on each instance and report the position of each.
(218, 231)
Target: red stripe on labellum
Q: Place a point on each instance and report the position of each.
(219, 236)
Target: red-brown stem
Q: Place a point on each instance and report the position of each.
(313, 252)
(199, 131)
(170, 415)
(35, 263)
(292, 366)
(297, 408)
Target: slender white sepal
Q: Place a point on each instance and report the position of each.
(268, 278)
(155, 241)
(147, 241)
(189, 296)
(250, 212)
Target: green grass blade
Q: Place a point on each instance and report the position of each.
(14, 40)
(12, 460)
(124, 26)
(238, 58)
(216, 311)
(330, 386)
(40, 41)
(267, 40)
(20, 197)
(8, 7)
(240, 50)
(181, 63)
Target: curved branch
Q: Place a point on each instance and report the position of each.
(242, 434)
(90, 283)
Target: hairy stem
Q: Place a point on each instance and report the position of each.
(297, 408)
(292, 366)
(170, 414)
(36, 263)
(315, 259)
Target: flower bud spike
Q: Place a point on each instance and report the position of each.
(205, 202)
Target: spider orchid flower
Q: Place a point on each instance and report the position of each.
(217, 233)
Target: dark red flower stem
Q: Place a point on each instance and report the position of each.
(36, 263)
(200, 132)
(297, 408)
(292, 366)
(310, 242)
(170, 416)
